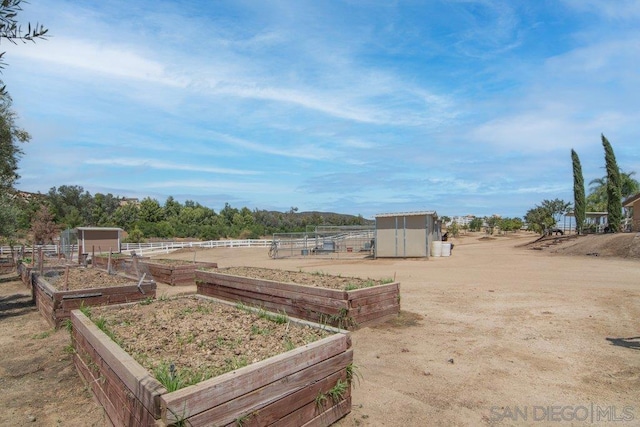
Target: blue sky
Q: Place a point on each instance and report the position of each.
(358, 107)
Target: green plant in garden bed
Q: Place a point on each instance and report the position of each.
(200, 339)
(336, 394)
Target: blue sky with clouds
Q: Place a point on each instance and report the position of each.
(359, 107)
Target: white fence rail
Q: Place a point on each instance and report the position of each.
(141, 248)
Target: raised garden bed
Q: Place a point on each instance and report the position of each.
(173, 272)
(57, 292)
(25, 270)
(7, 265)
(119, 262)
(260, 368)
(344, 302)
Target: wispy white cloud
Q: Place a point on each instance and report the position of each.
(98, 58)
(337, 105)
(620, 10)
(160, 164)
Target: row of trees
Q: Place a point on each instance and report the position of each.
(490, 223)
(606, 195)
(43, 216)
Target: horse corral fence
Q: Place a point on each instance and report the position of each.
(325, 241)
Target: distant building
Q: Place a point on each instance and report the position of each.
(130, 201)
(99, 239)
(463, 220)
(406, 234)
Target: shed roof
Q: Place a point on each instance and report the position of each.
(630, 201)
(99, 229)
(417, 213)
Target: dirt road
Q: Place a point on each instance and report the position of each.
(493, 335)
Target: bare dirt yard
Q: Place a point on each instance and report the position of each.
(496, 334)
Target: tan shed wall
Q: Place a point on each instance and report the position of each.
(636, 216)
(401, 236)
(101, 240)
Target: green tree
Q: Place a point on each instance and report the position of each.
(12, 31)
(544, 216)
(579, 202)
(126, 216)
(475, 224)
(597, 198)
(453, 229)
(492, 222)
(10, 138)
(8, 218)
(43, 227)
(104, 206)
(171, 208)
(510, 224)
(71, 205)
(150, 210)
(614, 187)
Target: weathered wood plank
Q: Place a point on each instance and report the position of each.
(273, 412)
(380, 306)
(303, 304)
(215, 391)
(121, 405)
(270, 393)
(137, 379)
(207, 276)
(296, 293)
(373, 316)
(310, 415)
(331, 415)
(373, 290)
(358, 302)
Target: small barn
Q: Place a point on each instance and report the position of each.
(406, 235)
(99, 239)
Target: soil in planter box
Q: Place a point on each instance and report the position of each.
(85, 278)
(170, 262)
(200, 338)
(316, 279)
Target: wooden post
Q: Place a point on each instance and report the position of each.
(40, 260)
(79, 251)
(66, 278)
(93, 255)
(109, 262)
(33, 255)
(135, 265)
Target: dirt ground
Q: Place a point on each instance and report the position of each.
(496, 334)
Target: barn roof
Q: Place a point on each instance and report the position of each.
(99, 228)
(417, 213)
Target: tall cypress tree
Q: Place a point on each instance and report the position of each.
(614, 187)
(579, 202)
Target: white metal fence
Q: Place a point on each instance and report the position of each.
(142, 248)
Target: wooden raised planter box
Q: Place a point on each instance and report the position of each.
(119, 262)
(344, 309)
(7, 265)
(56, 305)
(174, 274)
(282, 390)
(25, 271)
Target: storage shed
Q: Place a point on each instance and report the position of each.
(632, 204)
(99, 239)
(406, 235)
